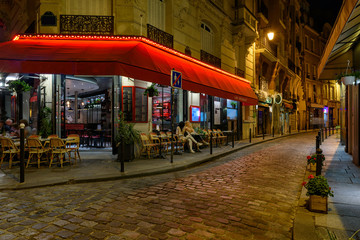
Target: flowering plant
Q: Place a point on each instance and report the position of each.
(312, 159)
(318, 186)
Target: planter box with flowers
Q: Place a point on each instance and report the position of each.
(318, 189)
(311, 160)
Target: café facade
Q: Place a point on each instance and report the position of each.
(87, 81)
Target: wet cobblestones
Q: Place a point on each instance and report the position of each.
(251, 194)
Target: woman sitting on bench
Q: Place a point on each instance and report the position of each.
(185, 136)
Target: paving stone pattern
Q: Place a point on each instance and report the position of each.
(251, 194)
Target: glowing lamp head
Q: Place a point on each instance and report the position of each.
(270, 35)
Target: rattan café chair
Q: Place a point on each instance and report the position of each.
(58, 149)
(36, 149)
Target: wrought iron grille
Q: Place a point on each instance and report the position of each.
(239, 72)
(87, 24)
(160, 36)
(210, 59)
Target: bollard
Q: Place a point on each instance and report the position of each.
(122, 165)
(318, 161)
(319, 134)
(289, 129)
(233, 140)
(273, 131)
(325, 132)
(329, 131)
(322, 135)
(317, 144)
(249, 135)
(211, 143)
(22, 144)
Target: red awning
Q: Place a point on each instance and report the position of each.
(135, 57)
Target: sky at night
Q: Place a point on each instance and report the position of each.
(324, 11)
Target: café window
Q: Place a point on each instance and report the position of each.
(134, 104)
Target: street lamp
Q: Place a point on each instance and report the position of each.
(270, 35)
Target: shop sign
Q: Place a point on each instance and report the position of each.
(176, 79)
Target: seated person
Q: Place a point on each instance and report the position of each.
(186, 137)
(8, 125)
(191, 130)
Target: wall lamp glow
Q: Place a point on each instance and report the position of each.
(270, 35)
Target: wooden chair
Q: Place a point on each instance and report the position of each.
(147, 147)
(214, 137)
(166, 141)
(73, 144)
(35, 148)
(8, 148)
(58, 148)
(179, 144)
(34, 136)
(221, 137)
(47, 143)
(156, 140)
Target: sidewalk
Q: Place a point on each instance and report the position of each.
(343, 217)
(101, 166)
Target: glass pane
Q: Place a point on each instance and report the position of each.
(140, 105)
(127, 103)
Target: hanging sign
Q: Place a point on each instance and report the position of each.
(176, 79)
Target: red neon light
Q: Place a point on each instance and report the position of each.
(121, 38)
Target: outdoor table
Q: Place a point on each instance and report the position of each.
(227, 133)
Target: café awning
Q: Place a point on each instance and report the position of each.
(134, 57)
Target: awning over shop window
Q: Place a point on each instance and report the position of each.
(134, 57)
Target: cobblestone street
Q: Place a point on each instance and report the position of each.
(251, 194)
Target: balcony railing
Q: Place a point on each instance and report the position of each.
(160, 36)
(243, 15)
(263, 43)
(87, 24)
(239, 72)
(210, 59)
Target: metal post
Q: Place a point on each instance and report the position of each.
(122, 165)
(325, 132)
(318, 161)
(172, 125)
(317, 142)
(273, 131)
(211, 143)
(319, 134)
(322, 135)
(22, 144)
(233, 140)
(249, 135)
(289, 129)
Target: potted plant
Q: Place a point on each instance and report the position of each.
(126, 138)
(318, 189)
(233, 104)
(19, 86)
(311, 160)
(151, 91)
(45, 123)
(348, 78)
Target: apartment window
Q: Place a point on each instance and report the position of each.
(312, 45)
(314, 71)
(156, 15)
(207, 39)
(306, 42)
(332, 93)
(307, 70)
(134, 104)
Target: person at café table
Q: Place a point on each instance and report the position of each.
(186, 137)
(15, 130)
(191, 130)
(8, 125)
